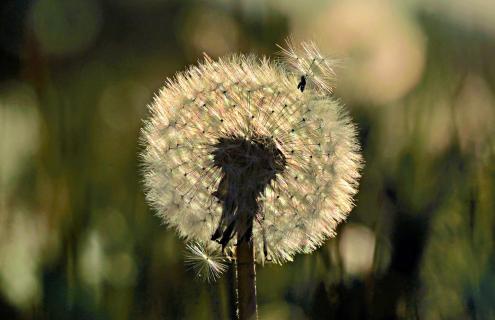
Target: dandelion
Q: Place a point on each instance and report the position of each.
(206, 264)
(242, 148)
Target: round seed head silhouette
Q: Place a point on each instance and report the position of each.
(253, 148)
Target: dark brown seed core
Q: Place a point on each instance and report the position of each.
(248, 166)
(256, 161)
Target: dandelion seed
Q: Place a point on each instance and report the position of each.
(310, 65)
(206, 264)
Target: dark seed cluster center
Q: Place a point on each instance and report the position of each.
(255, 158)
(248, 166)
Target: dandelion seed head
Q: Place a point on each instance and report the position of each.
(206, 263)
(241, 123)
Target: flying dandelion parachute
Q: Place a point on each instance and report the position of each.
(254, 149)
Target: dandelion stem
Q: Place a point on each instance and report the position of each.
(246, 272)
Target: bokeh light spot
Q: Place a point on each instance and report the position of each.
(66, 26)
(357, 248)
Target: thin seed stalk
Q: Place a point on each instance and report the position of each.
(246, 271)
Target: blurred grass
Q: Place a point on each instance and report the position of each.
(77, 240)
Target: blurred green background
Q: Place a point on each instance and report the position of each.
(77, 240)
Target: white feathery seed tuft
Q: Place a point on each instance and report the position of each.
(207, 265)
(248, 98)
(317, 69)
